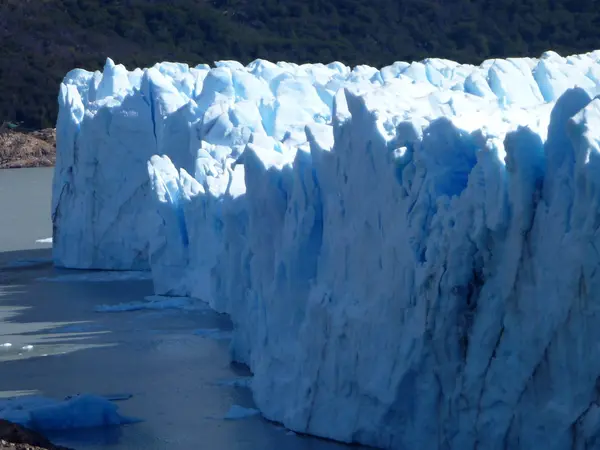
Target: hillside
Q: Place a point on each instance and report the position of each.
(27, 149)
(43, 39)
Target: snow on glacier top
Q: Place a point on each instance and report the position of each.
(231, 101)
(432, 87)
(203, 118)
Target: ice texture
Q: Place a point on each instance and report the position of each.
(408, 255)
(46, 414)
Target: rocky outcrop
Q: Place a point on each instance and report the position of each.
(27, 149)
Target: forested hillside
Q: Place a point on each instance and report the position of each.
(40, 40)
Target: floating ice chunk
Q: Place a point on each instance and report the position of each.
(44, 414)
(237, 412)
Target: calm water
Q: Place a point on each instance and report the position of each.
(174, 376)
(25, 198)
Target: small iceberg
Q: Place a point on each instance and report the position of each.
(237, 412)
(45, 414)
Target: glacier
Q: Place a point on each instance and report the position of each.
(409, 255)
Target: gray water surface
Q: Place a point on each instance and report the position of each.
(174, 376)
(25, 200)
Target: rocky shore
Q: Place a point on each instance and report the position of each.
(27, 149)
(17, 437)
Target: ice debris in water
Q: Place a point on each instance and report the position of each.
(155, 302)
(237, 412)
(81, 411)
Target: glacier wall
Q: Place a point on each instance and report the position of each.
(111, 123)
(198, 115)
(412, 265)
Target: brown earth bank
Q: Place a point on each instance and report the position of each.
(20, 149)
(17, 437)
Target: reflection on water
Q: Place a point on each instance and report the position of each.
(11, 394)
(22, 340)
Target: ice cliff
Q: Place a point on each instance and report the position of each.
(409, 255)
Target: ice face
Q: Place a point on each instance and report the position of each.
(408, 254)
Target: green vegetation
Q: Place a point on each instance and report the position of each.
(41, 40)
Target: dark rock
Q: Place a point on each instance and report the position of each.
(18, 437)
(27, 149)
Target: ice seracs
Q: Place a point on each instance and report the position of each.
(46, 414)
(408, 255)
(112, 122)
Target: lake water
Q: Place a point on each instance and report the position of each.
(178, 379)
(25, 199)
